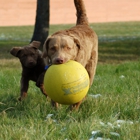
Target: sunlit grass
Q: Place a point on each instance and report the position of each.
(118, 86)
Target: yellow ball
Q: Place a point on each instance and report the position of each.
(66, 83)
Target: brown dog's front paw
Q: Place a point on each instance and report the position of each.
(54, 104)
(74, 106)
(19, 99)
(23, 95)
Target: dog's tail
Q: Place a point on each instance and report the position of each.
(81, 13)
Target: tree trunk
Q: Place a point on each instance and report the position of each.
(41, 29)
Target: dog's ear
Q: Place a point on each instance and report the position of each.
(77, 43)
(80, 52)
(45, 47)
(15, 50)
(35, 44)
(45, 51)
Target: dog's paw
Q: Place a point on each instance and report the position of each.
(54, 104)
(22, 96)
(19, 99)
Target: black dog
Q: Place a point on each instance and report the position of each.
(33, 66)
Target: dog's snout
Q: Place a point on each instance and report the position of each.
(59, 61)
(31, 62)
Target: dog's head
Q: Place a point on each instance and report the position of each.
(28, 55)
(60, 49)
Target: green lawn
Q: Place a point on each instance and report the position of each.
(111, 109)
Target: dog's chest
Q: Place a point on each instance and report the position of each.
(32, 74)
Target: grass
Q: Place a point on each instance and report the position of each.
(114, 113)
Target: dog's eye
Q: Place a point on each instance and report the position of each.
(68, 48)
(53, 49)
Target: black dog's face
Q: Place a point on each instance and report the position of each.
(28, 56)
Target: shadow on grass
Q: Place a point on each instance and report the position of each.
(109, 51)
(120, 50)
(6, 45)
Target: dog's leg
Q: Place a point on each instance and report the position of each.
(40, 84)
(91, 66)
(75, 106)
(43, 90)
(24, 88)
(54, 104)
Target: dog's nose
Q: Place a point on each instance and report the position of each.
(31, 62)
(59, 61)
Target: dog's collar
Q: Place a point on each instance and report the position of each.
(46, 67)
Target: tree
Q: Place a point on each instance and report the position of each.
(41, 28)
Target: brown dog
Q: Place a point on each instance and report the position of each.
(79, 43)
(33, 66)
